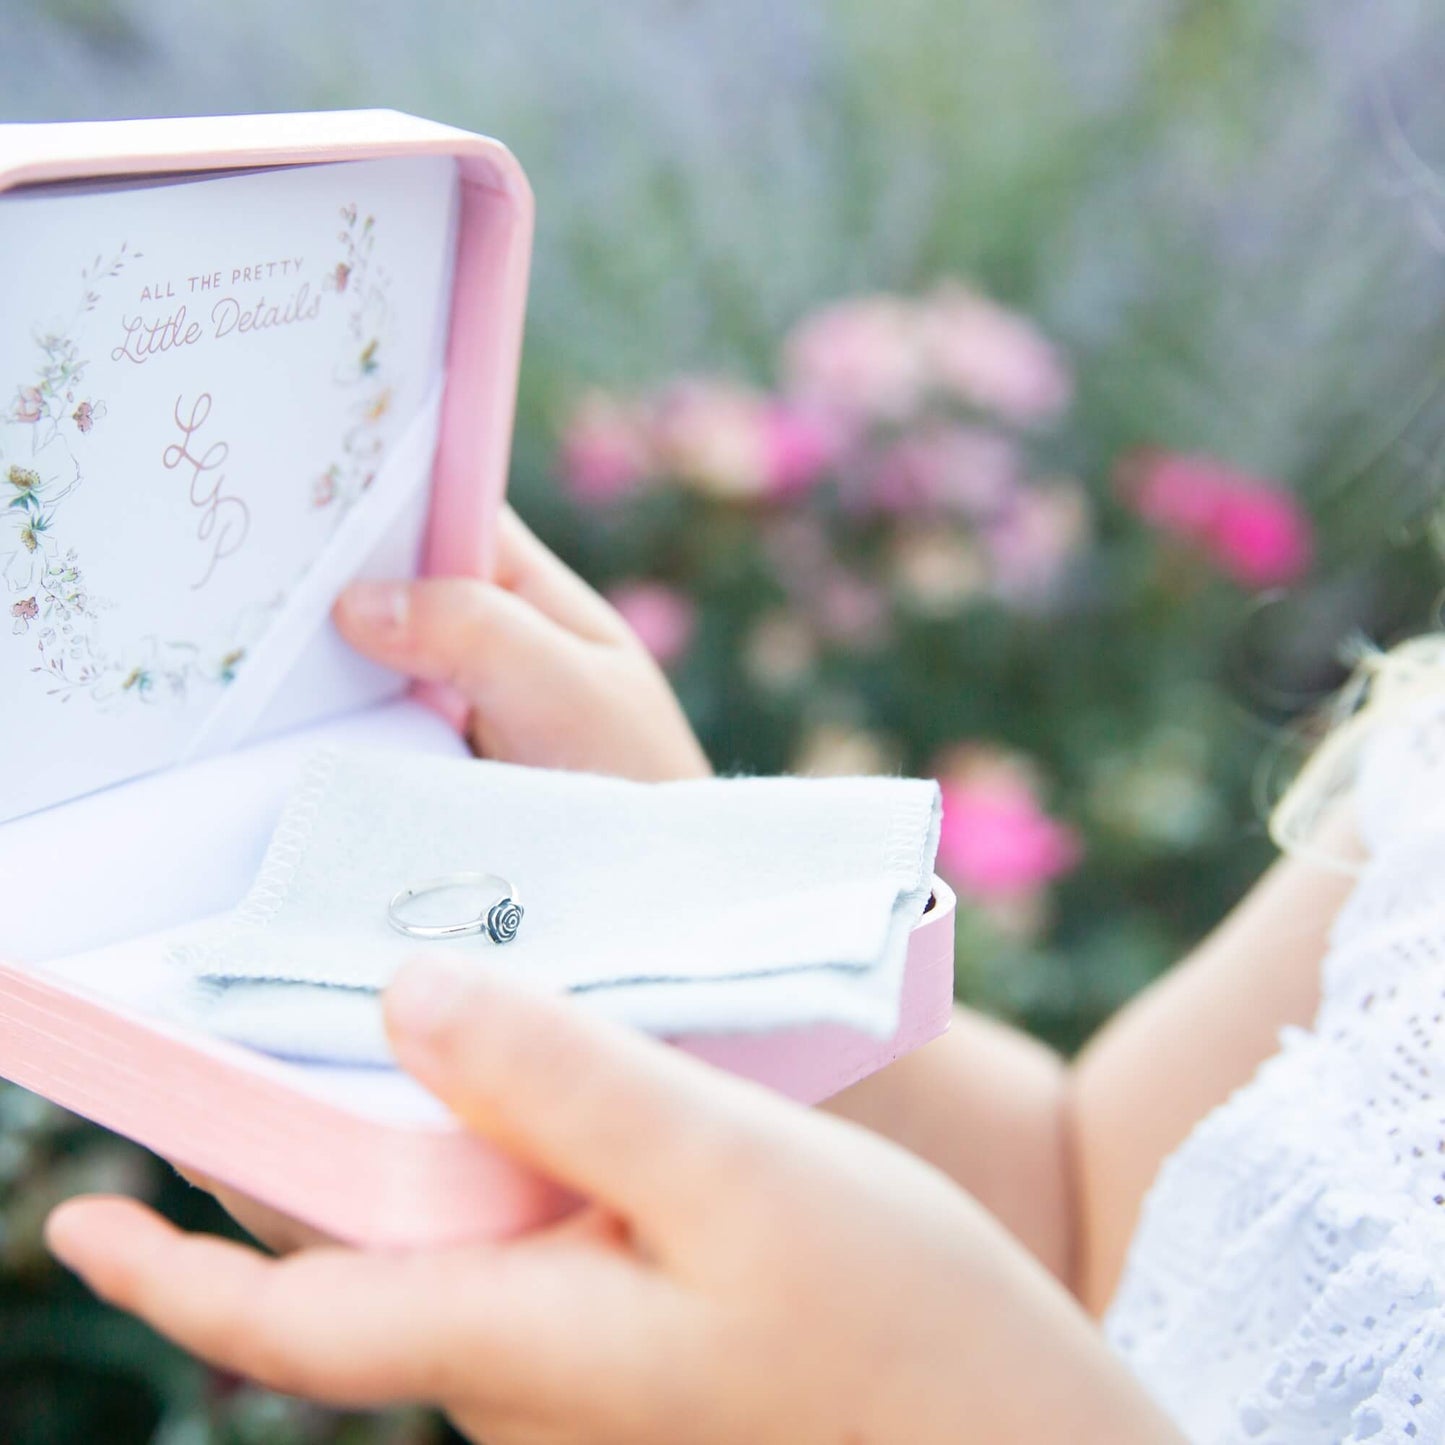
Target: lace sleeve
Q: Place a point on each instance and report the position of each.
(1286, 1285)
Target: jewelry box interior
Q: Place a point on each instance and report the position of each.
(97, 881)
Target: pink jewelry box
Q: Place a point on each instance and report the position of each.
(257, 1124)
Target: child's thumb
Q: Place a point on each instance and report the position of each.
(603, 1110)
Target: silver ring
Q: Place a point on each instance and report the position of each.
(500, 922)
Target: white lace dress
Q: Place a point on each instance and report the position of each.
(1287, 1280)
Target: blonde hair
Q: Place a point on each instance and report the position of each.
(1383, 688)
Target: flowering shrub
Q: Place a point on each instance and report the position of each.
(1251, 529)
(889, 474)
(889, 559)
(997, 845)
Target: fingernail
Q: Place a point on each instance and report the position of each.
(424, 996)
(377, 604)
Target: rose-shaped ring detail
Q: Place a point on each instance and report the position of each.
(499, 921)
(504, 919)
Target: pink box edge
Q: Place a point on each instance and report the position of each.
(365, 1180)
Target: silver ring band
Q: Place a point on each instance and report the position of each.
(500, 922)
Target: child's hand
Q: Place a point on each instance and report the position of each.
(552, 674)
(751, 1271)
(554, 678)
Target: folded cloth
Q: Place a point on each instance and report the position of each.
(711, 906)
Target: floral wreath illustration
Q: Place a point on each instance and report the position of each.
(52, 601)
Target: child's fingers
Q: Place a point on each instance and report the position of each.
(240, 1311)
(526, 566)
(348, 1328)
(473, 635)
(623, 1119)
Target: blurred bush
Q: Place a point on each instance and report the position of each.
(1034, 393)
(882, 563)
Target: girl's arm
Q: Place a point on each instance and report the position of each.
(1064, 1155)
(1182, 1047)
(984, 1103)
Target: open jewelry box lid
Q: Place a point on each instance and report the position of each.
(345, 1150)
(494, 224)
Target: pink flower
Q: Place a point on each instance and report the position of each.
(715, 437)
(964, 469)
(1178, 494)
(605, 449)
(1263, 538)
(29, 404)
(863, 357)
(1251, 528)
(997, 844)
(993, 358)
(663, 618)
(1032, 544)
(801, 443)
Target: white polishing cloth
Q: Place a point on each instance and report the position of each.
(717, 906)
